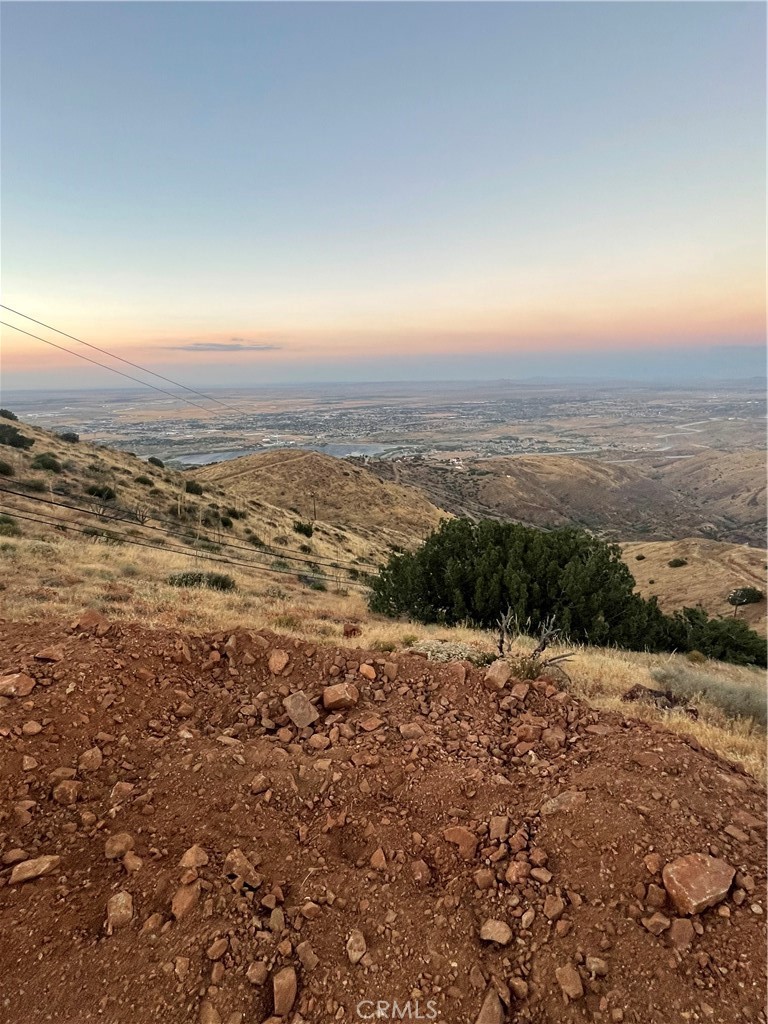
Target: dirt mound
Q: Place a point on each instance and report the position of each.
(221, 828)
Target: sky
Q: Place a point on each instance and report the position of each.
(247, 193)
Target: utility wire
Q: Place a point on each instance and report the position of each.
(104, 366)
(55, 521)
(170, 533)
(128, 362)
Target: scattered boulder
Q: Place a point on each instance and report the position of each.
(498, 675)
(340, 697)
(697, 881)
(27, 870)
(299, 709)
(119, 911)
(19, 684)
(496, 931)
(356, 946)
(569, 980)
(284, 987)
(278, 661)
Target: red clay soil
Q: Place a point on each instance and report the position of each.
(404, 855)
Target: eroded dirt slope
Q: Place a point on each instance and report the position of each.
(478, 848)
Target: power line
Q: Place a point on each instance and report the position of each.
(136, 366)
(79, 355)
(55, 521)
(130, 516)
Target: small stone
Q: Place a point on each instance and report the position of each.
(118, 845)
(569, 980)
(67, 792)
(300, 711)
(309, 959)
(492, 1011)
(259, 784)
(284, 987)
(217, 948)
(681, 933)
(257, 972)
(208, 1013)
(420, 872)
(119, 911)
(17, 685)
(184, 900)
(496, 931)
(194, 857)
(411, 731)
(31, 728)
(569, 801)
(91, 760)
(356, 946)
(464, 839)
(596, 966)
(368, 672)
(50, 654)
(132, 862)
(696, 881)
(278, 660)
(554, 907)
(28, 870)
(498, 675)
(340, 697)
(378, 860)
(656, 923)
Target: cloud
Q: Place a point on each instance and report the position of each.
(233, 345)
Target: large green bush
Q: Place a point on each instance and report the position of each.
(14, 438)
(472, 573)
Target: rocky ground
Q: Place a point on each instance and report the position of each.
(243, 828)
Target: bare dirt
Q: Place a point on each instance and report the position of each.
(482, 854)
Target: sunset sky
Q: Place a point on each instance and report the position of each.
(237, 193)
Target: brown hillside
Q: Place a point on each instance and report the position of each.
(713, 494)
(317, 486)
(207, 840)
(714, 569)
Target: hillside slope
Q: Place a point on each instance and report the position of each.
(714, 495)
(319, 486)
(212, 834)
(714, 569)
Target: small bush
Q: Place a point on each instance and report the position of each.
(102, 491)
(9, 527)
(226, 522)
(311, 582)
(639, 558)
(737, 700)
(145, 481)
(677, 563)
(305, 549)
(6, 469)
(696, 658)
(8, 415)
(235, 513)
(33, 485)
(193, 487)
(408, 639)
(70, 436)
(155, 462)
(306, 529)
(211, 580)
(48, 461)
(13, 437)
(256, 541)
(745, 595)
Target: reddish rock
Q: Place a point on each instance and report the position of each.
(278, 660)
(492, 1011)
(681, 933)
(464, 839)
(17, 685)
(497, 676)
(92, 621)
(696, 881)
(28, 870)
(340, 697)
(569, 801)
(569, 980)
(350, 629)
(299, 709)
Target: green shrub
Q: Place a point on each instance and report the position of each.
(639, 558)
(8, 415)
(211, 580)
(193, 487)
(145, 481)
(9, 527)
(6, 469)
(103, 491)
(305, 549)
(737, 700)
(745, 595)
(155, 462)
(13, 437)
(256, 541)
(48, 461)
(306, 529)
(35, 485)
(70, 436)
(473, 573)
(226, 522)
(677, 563)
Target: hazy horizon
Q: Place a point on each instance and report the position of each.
(288, 192)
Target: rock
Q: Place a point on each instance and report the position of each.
(257, 972)
(50, 654)
(340, 697)
(696, 881)
(284, 986)
(350, 629)
(217, 948)
(653, 863)
(184, 900)
(554, 907)
(356, 946)
(378, 860)
(498, 675)
(571, 800)
(492, 1011)
(239, 870)
(420, 872)
(28, 870)
(118, 845)
(208, 1013)
(92, 621)
(681, 933)
(367, 672)
(67, 792)
(464, 839)
(132, 863)
(499, 827)
(31, 728)
(194, 857)
(309, 959)
(278, 660)
(569, 980)
(496, 931)
(259, 784)
(299, 709)
(656, 923)
(17, 685)
(596, 966)
(411, 731)
(91, 760)
(119, 911)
